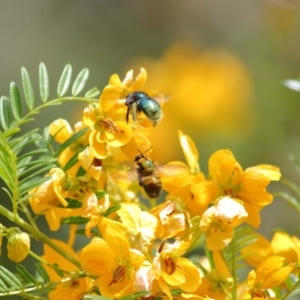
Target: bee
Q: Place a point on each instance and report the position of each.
(148, 175)
(139, 101)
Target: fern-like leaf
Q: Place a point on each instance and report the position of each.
(5, 118)
(64, 81)
(80, 81)
(26, 276)
(15, 99)
(92, 93)
(10, 279)
(44, 82)
(27, 88)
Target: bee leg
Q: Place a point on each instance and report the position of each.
(134, 111)
(127, 113)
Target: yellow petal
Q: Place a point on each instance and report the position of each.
(255, 253)
(97, 258)
(231, 210)
(278, 276)
(220, 264)
(267, 267)
(98, 148)
(121, 136)
(225, 169)
(129, 214)
(283, 245)
(191, 274)
(61, 130)
(139, 81)
(109, 96)
(190, 152)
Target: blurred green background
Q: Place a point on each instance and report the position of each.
(261, 37)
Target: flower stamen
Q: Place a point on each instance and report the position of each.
(170, 265)
(110, 125)
(119, 275)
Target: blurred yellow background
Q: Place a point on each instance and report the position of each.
(221, 63)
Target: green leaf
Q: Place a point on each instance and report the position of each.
(5, 112)
(58, 270)
(3, 286)
(25, 275)
(72, 161)
(100, 194)
(27, 88)
(92, 93)
(111, 210)
(41, 270)
(64, 81)
(93, 231)
(74, 220)
(15, 99)
(9, 278)
(81, 171)
(44, 82)
(42, 169)
(80, 81)
(71, 140)
(31, 184)
(73, 203)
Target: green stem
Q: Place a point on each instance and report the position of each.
(39, 235)
(294, 202)
(36, 110)
(44, 262)
(43, 286)
(233, 266)
(28, 215)
(290, 291)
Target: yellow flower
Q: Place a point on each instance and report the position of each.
(90, 164)
(93, 208)
(112, 260)
(50, 196)
(185, 182)
(71, 289)
(140, 226)
(171, 269)
(281, 244)
(219, 220)
(109, 127)
(214, 286)
(248, 186)
(269, 274)
(172, 221)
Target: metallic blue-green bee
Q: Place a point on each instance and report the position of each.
(139, 101)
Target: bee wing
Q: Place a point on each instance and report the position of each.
(160, 98)
(123, 175)
(176, 168)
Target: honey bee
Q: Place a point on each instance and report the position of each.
(148, 175)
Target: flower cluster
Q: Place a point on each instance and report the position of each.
(144, 245)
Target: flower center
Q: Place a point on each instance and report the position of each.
(119, 275)
(110, 126)
(169, 265)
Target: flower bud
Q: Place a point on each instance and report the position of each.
(18, 246)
